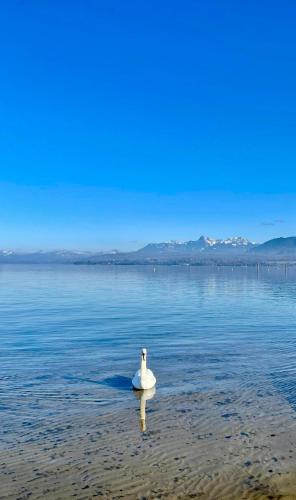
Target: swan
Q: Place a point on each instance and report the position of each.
(144, 378)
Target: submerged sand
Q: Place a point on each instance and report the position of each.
(217, 445)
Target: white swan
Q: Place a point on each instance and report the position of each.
(144, 378)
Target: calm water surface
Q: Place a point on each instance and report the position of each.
(71, 335)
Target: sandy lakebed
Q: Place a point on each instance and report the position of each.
(225, 445)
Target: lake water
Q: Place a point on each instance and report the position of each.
(71, 339)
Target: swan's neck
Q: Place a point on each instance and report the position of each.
(143, 362)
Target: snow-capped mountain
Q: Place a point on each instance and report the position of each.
(236, 244)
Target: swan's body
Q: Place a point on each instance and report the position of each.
(144, 378)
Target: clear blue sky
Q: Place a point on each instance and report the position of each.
(127, 122)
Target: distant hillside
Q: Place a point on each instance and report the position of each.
(277, 247)
(47, 257)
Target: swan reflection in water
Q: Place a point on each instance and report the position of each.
(143, 396)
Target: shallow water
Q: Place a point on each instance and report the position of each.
(70, 343)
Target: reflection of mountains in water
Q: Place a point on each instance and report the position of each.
(144, 396)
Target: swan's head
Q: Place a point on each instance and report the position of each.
(144, 354)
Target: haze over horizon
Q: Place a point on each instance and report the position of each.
(125, 124)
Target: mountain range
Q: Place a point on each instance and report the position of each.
(202, 245)
(202, 250)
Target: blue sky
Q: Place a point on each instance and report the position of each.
(128, 122)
